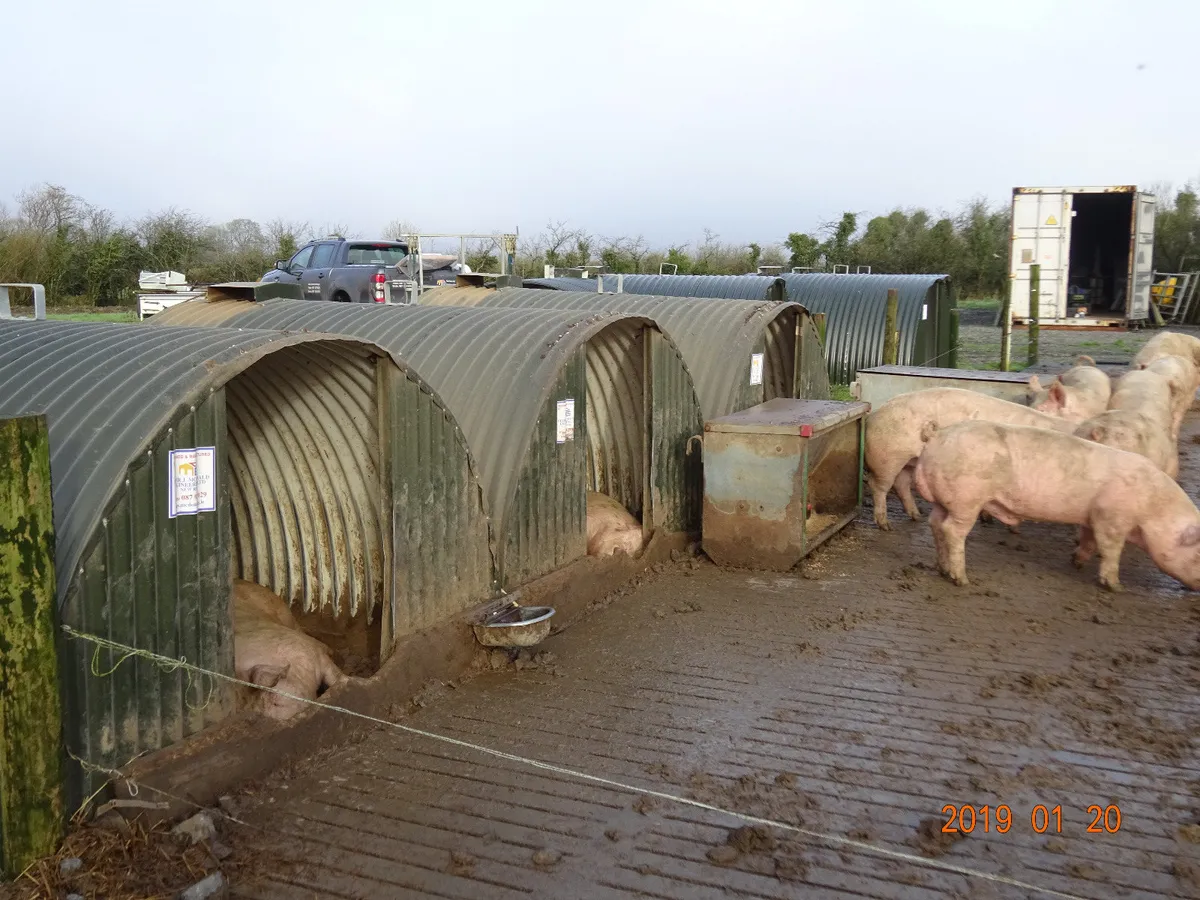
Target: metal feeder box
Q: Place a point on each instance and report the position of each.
(779, 479)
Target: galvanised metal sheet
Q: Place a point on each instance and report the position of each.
(718, 338)
(503, 372)
(723, 287)
(855, 307)
(118, 399)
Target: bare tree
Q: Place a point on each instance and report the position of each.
(396, 229)
(335, 230)
(49, 208)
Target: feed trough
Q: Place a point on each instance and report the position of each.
(780, 478)
(514, 626)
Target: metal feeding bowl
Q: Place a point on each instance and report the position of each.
(515, 626)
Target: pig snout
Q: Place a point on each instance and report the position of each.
(610, 527)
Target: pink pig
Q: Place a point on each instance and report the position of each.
(894, 441)
(270, 650)
(610, 527)
(1015, 472)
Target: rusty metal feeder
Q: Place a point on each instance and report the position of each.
(780, 478)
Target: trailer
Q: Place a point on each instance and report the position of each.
(1095, 250)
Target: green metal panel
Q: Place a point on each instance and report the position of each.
(443, 560)
(814, 373)
(547, 525)
(159, 584)
(676, 482)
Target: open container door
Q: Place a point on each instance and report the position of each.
(1041, 234)
(1141, 258)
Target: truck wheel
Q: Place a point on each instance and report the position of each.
(341, 297)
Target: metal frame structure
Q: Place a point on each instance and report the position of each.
(1179, 295)
(39, 300)
(414, 287)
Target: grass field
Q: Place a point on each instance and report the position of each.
(120, 315)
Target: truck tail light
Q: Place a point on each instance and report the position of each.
(380, 285)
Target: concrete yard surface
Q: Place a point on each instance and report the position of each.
(857, 698)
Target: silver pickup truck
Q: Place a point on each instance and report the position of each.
(346, 271)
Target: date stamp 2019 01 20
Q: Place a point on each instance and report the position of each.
(966, 819)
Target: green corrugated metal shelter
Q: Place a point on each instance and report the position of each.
(718, 338)
(341, 482)
(508, 374)
(855, 307)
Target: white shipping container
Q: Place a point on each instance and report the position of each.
(1095, 246)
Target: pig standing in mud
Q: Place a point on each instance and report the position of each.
(1016, 472)
(610, 527)
(894, 440)
(269, 649)
(1077, 394)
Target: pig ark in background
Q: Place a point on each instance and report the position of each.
(270, 650)
(610, 527)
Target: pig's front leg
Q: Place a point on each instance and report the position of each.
(937, 519)
(904, 492)
(1085, 548)
(1110, 541)
(954, 535)
(879, 492)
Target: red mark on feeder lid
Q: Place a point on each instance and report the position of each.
(805, 431)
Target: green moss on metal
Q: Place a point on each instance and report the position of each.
(31, 769)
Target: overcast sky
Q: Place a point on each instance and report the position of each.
(661, 118)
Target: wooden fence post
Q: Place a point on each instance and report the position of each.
(1006, 330)
(954, 338)
(31, 763)
(891, 340)
(1035, 284)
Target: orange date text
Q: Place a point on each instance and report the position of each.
(966, 819)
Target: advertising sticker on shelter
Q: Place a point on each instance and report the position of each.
(566, 421)
(756, 367)
(192, 481)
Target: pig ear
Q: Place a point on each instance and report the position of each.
(268, 676)
(1058, 394)
(1034, 384)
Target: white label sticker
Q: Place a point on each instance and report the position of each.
(566, 421)
(924, 311)
(756, 366)
(192, 481)
(312, 288)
